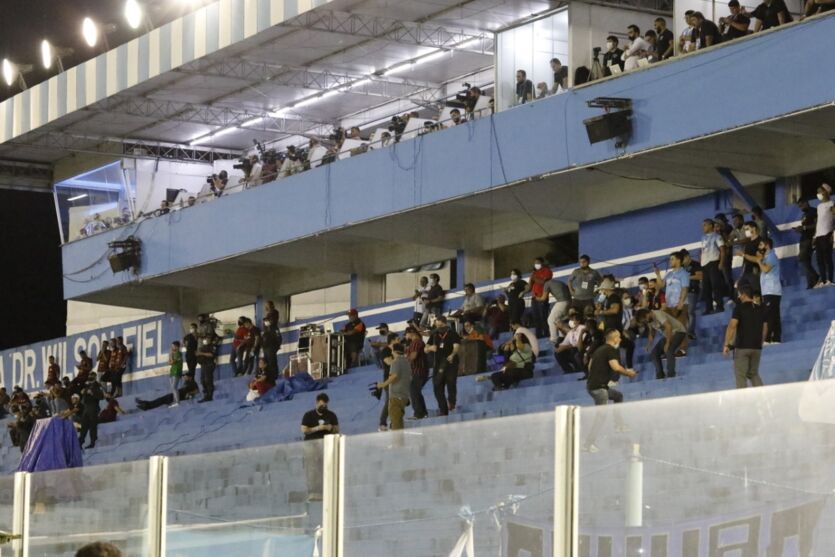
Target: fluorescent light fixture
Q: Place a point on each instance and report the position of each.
(209, 136)
(280, 112)
(358, 84)
(90, 32)
(397, 68)
(133, 14)
(328, 94)
(469, 42)
(77, 197)
(253, 121)
(430, 57)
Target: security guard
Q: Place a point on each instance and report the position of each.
(208, 343)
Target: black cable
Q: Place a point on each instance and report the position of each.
(662, 180)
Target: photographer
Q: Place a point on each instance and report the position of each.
(292, 164)
(253, 177)
(218, 182)
(398, 384)
(270, 168)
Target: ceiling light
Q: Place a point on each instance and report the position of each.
(133, 14)
(430, 57)
(209, 136)
(90, 31)
(77, 197)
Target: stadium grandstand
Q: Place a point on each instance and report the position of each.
(429, 278)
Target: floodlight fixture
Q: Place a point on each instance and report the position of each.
(13, 73)
(133, 14)
(51, 54)
(90, 32)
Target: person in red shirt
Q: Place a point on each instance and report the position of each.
(354, 333)
(238, 342)
(111, 411)
(540, 274)
(52, 373)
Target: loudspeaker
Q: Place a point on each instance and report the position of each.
(123, 261)
(609, 126)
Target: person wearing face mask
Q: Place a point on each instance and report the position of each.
(605, 362)
(271, 344)
(536, 286)
(515, 292)
(673, 334)
(613, 55)
(444, 344)
(569, 353)
(823, 236)
(435, 297)
(610, 315)
(190, 344)
(772, 290)
(582, 284)
(354, 332)
(562, 299)
(316, 424)
(636, 50)
(750, 259)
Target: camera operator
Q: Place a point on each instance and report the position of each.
(398, 126)
(253, 177)
(398, 384)
(218, 182)
(270, 167)
(292, 164)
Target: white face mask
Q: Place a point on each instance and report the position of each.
(194, 329)
(820, 197)
(610, 45)
(433, 282)
(748, 234)
(266, 323)
(572, 324)
(601, 298)
(514, 277)
(642, 287)
(627, 302)
(537, 266)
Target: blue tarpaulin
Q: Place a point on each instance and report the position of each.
(53, 445)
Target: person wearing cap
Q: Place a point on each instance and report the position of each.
(354, 332)
(712, 263)
(444, 344)
(735, 25)
(379, 342)
(610, 313)
(673, 335)
(823, 235)
(808, 224)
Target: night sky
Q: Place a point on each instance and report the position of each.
(25, 23)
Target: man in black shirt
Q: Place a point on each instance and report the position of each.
(750, 262)
(445, 344)
(435, 297)
(524, 87)
(693, 292)
(190, 343)
(771, 13)
(316, 424)
(605, 361)
(707, 31)
(560, 75)
(386, 356)
(665, 41)
(735, 25)
(745, 334)
(613, 55)
(611, 313)
(807, 240)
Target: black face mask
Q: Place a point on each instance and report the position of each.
(322, 409)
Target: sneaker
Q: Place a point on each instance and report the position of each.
(452, 408)
(383, 428)
(820, 284)
(176, 404)
(681, 353)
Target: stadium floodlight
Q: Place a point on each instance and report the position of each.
(13, 73)
(90, 31)
(133, 14)
(51, 54)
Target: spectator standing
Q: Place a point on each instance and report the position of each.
(435, 298)
(175, 371)
(673, 335)
(712, 263)
(497, 317)
(271, 313)
(271, 343)
(53, 372)
(540, 275)
(750, 258)
(190, 343)
(605, 363)
(744, 335)
(23, 425)
(524, 87)
(207, 358)
(758, 218)
(386, 357)
(398, 384)
(124, 358)
(415, 353)
(676, 284)
(420, 297)
(316, 424)
(686, 41)
(560, 75)
(707, 31)
(735, 25)
(582, 284)
(103, 363)
(610, 313)
(515, 293)
(562, 300)
(637, 48)
(91, 395)
(665, 41)
(354, 332)
(771, 13)
(723, 229)
(444, 343)
(238, 340)
(808, 224)
(823, 235)
(613, 55)
(771, 288)
(694, 268)
(253, 346)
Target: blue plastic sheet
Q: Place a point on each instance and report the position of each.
(53, 445)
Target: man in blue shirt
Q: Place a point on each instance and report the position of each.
(676, 285)
(771, 288)
(711, 259)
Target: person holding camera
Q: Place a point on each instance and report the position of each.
(398, 384)
(218, 182)
(292, 164)
(91, 395)
(445, 344)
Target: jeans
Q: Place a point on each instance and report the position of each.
(445, 385)
(747, 367)
(558, 313)
(712, 287)
(540, 317)
(418, 402)
(805, 259)
(510, 377)
(772, 318)
(670, 354)
(175, 383)
(823, 247)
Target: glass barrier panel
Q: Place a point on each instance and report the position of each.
(6, 503)
(741, 473)
(264, 501)
(71, 508)
(438, 490)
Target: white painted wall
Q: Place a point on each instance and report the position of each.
(84, 316)
(153, 178)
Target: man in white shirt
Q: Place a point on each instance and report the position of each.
(254, 178)
(637, 50)
(569, 353)
(823, 236)
(420, 296)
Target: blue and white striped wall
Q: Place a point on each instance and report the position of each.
(193, 36)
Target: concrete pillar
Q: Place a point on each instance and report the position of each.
(635, 489)
(474, 266)
(367, 289)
